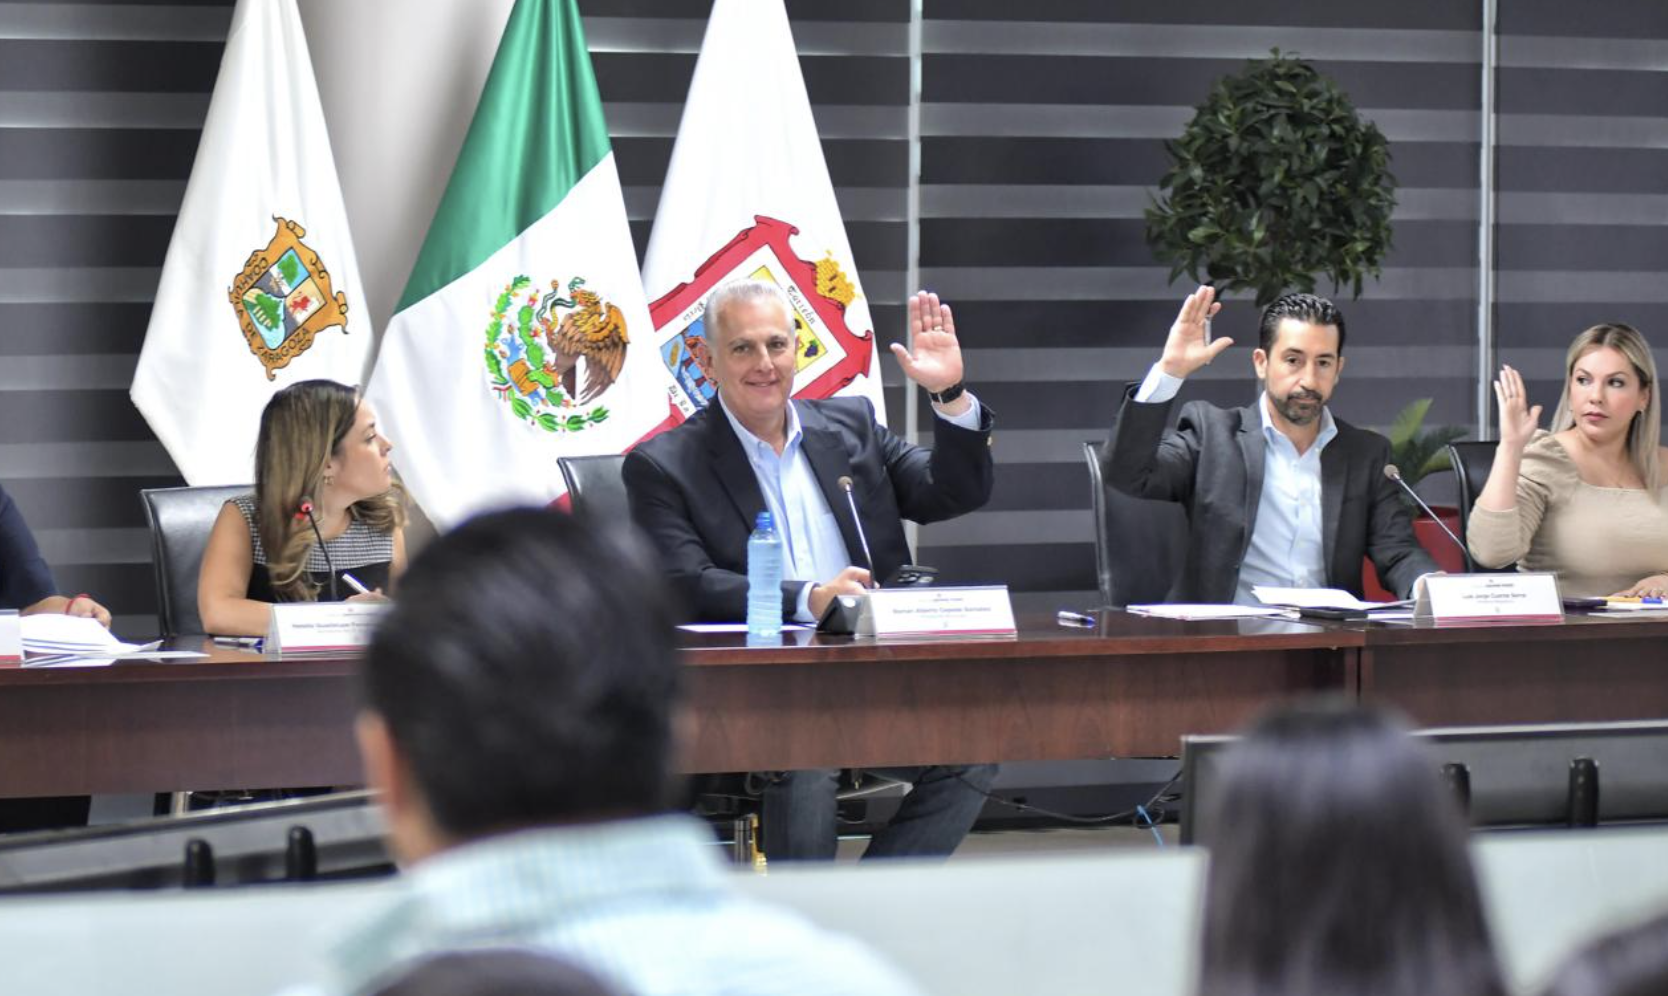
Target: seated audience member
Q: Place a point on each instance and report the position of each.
(519, 726)
(1338, 866)
(1279, 492)
(25, 580)
(1630, 962)
(507, 972)
(318, 455)
(1586, 499)
(697, 490)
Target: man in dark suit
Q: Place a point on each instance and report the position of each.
(1279, 492)
(697, 489)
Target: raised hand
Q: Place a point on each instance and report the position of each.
(935, 362)
(1518, 420)
(1187, 349)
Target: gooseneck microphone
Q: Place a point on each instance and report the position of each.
(1394, 474)
(851, 500)
(306, 511)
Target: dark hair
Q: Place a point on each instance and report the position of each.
(496, 972)
(1303, 307)
(1630, 962)
(527, 672)
(1338, 866)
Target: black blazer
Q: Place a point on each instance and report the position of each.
(1212, 463)
(694, 493)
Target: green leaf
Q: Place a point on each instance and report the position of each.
(548, 422)
(520, 406)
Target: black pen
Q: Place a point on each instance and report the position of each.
(1066, 617)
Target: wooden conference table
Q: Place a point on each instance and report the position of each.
(1130, 687)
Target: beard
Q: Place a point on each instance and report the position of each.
(1301, 407)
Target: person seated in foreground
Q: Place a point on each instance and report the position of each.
(319, 460)
(25, 580)
(1278, 493)
(519, 728)
(1338, 865)
(1632, 961)
(506, 972)
(1585, 500)
(696, 490)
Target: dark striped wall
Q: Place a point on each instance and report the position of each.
(1040, 130)
(1582, 226)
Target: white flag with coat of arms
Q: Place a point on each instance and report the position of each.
(260, 287)
(523, 334)
(748, 195)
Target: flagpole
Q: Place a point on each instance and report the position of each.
(912, 269)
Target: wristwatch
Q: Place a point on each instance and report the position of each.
(949, 394)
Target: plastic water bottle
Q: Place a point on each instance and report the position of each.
(764, 580)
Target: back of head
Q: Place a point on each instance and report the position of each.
(1338, 866)
(527, 674)
(1630, 962)
(1308, 308)
(496, 972)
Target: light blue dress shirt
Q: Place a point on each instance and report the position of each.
(812, 548)
(1288, 545)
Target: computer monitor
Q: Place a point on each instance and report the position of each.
(1517, 776)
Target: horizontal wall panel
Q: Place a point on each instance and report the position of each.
(671, 34)
(1565, 52)
(1576, 208)
(45, 417)
(106, 197)
(78, 285)
(1167, 81)
(72, 329)
(68, 547)
(1194, 40)
(1423, 14)
(1615, 287)
(127, 590)
(1560, 170)
(1610, 19)
(1601, 130)
(109, 66)
(59, 21)
(1554, 325)
(85, 502)
(1046, 567)
(96, 153)
(798, 10)
(664, 77)
(84, 372)
(102, 458)
(1094, 283)
(86, 240)
(1013, 528)
(1144, 324)
(1040, 485)
(1367, 357)
(1089, 242)
(1029, 200)
(661, 120)
(29, 109)
(1137, 121)
(1580, 247)
(852, 162)
(1579, 91)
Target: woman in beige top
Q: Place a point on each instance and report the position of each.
(1584, 499)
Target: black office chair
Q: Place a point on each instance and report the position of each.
(595, 486)
(181, 520)
(1140, 543)
(1472, 462)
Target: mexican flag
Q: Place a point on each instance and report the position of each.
(523, 334)
(748, 196)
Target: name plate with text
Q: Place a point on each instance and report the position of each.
(11, 636)
(318, 627)
(1488, 598)
(983, 610)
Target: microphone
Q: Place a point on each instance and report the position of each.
(1391, 472)
(851, 500)
(305, 510)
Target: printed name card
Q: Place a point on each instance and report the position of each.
(1488, 598)
(983, 610)
(317, 627)
(11, 636)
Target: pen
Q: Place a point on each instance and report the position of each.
(355, 583)
(247, 642)
(1066, 617)
(1637, 600)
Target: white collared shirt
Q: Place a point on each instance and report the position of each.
(1288, 540)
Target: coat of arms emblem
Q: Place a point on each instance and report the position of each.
(549, 355)
(283, 298)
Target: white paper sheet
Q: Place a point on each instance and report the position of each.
(1316, 598)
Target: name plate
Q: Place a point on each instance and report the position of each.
(983, 610)
(11, 636)
(1487, 598)
(317, 627)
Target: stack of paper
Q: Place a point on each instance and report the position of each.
(1195, 611)
(53, 639)
(1317, 598)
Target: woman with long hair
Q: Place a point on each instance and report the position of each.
(1338, 866)
(1584, 500)
(321, 471)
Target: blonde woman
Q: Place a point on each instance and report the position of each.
(319, 452)
(1584, 500)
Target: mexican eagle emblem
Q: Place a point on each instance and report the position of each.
(549, 355)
